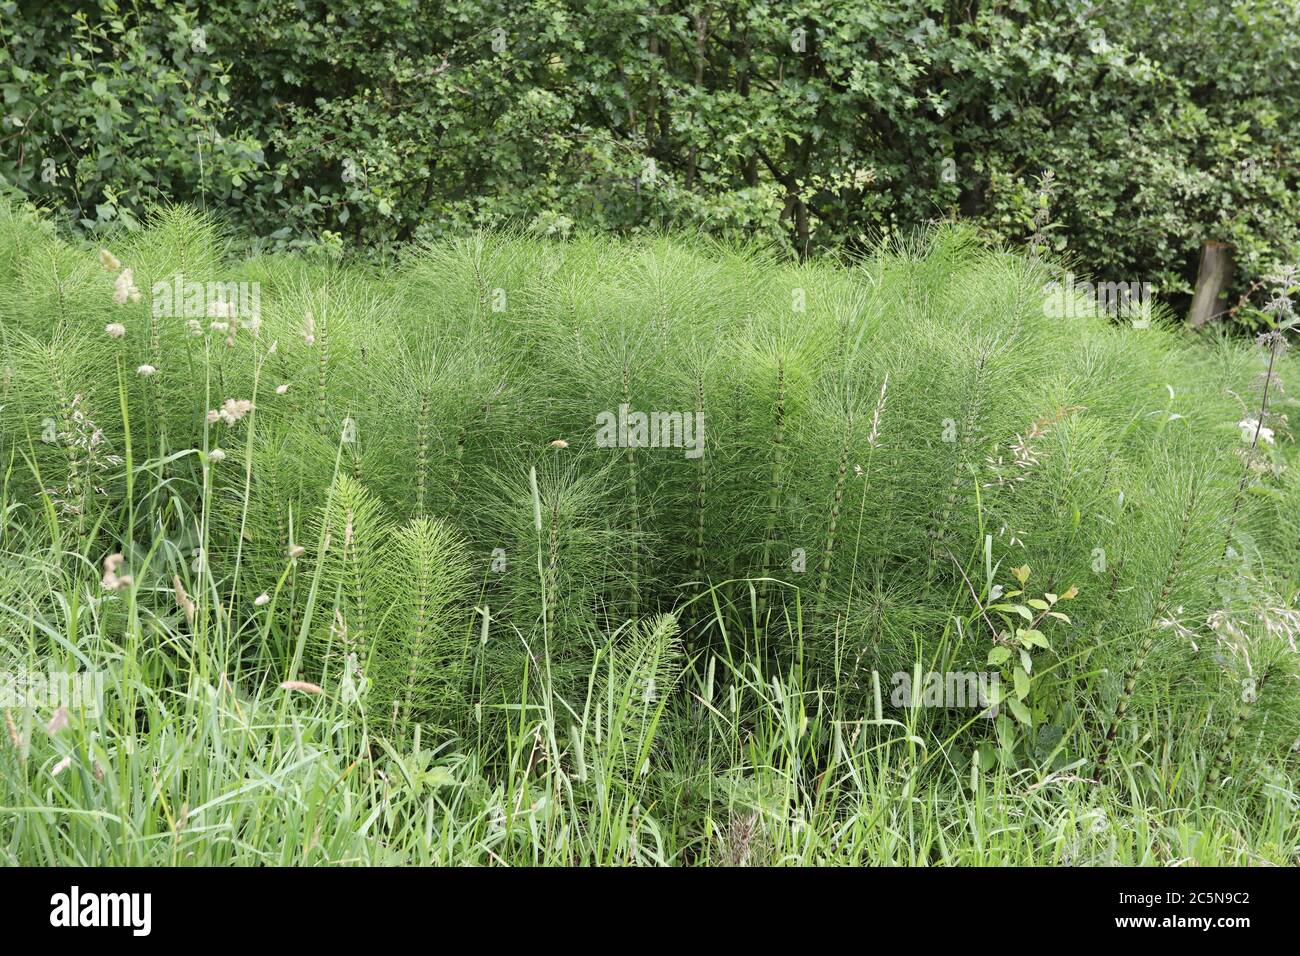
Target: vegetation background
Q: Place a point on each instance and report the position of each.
(361, 583)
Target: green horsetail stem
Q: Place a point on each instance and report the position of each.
(634, 502)
(1148, 639)
(939, 533)
(832, 524)
(1223, 759)
(774, 484)
(421, 452)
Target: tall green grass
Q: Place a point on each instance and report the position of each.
(404, 607)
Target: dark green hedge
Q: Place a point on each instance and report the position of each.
(818, 124)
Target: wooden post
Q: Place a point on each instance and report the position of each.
(1212, 279)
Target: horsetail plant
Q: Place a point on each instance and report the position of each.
(1150, 632)
(421, 648)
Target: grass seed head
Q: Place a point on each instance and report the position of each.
(57, 722)
(305, 687)
(112, 581)
(124, 289)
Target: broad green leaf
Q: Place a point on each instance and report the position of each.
(1032, 638)
(1022, 682)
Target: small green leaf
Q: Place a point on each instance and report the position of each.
(439, 777)
(1032, 638)
(1022, 682)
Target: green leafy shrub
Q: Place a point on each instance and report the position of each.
(819, 126)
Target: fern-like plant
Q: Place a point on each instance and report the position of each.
(420, 662)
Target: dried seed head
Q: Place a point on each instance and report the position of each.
(185, 602)
(57, 722)
(231, 410)
(14, 737)
(281, 389)
(115, 330)
(109, 261)
(305, 686)
(559, 443)
(124, 289)
(262, 600)
(112, 581)
(145, 371)
(216, 456)
(874, 438)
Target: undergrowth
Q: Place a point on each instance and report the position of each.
(366, 582)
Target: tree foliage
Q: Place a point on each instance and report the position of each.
(816, 124)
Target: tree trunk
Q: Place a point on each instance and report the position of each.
(1212, 279)
(701, 54)
(652, 104)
